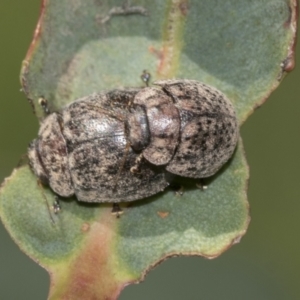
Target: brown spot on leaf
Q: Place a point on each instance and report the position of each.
(289, 63)
(85, 227)
(184, 7)
(163, 214)
(161, 56)
(156, 52)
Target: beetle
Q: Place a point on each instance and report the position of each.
(128, 144)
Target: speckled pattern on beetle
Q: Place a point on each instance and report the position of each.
(127, 144)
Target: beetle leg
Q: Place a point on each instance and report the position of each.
(146, 76)
(136, 169)
(44, 104)
(201, 185)
(116, 210)
(177, 188)
(56, 206)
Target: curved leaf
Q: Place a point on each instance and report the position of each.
(88, 246)
(83, 47)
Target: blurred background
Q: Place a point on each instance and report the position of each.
(265, 265)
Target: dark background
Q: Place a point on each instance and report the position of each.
(265, 265)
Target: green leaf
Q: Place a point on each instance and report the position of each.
(89, 247)
(80, 47)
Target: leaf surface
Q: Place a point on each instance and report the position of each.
(81, 47)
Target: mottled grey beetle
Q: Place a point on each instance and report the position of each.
(127, 144)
